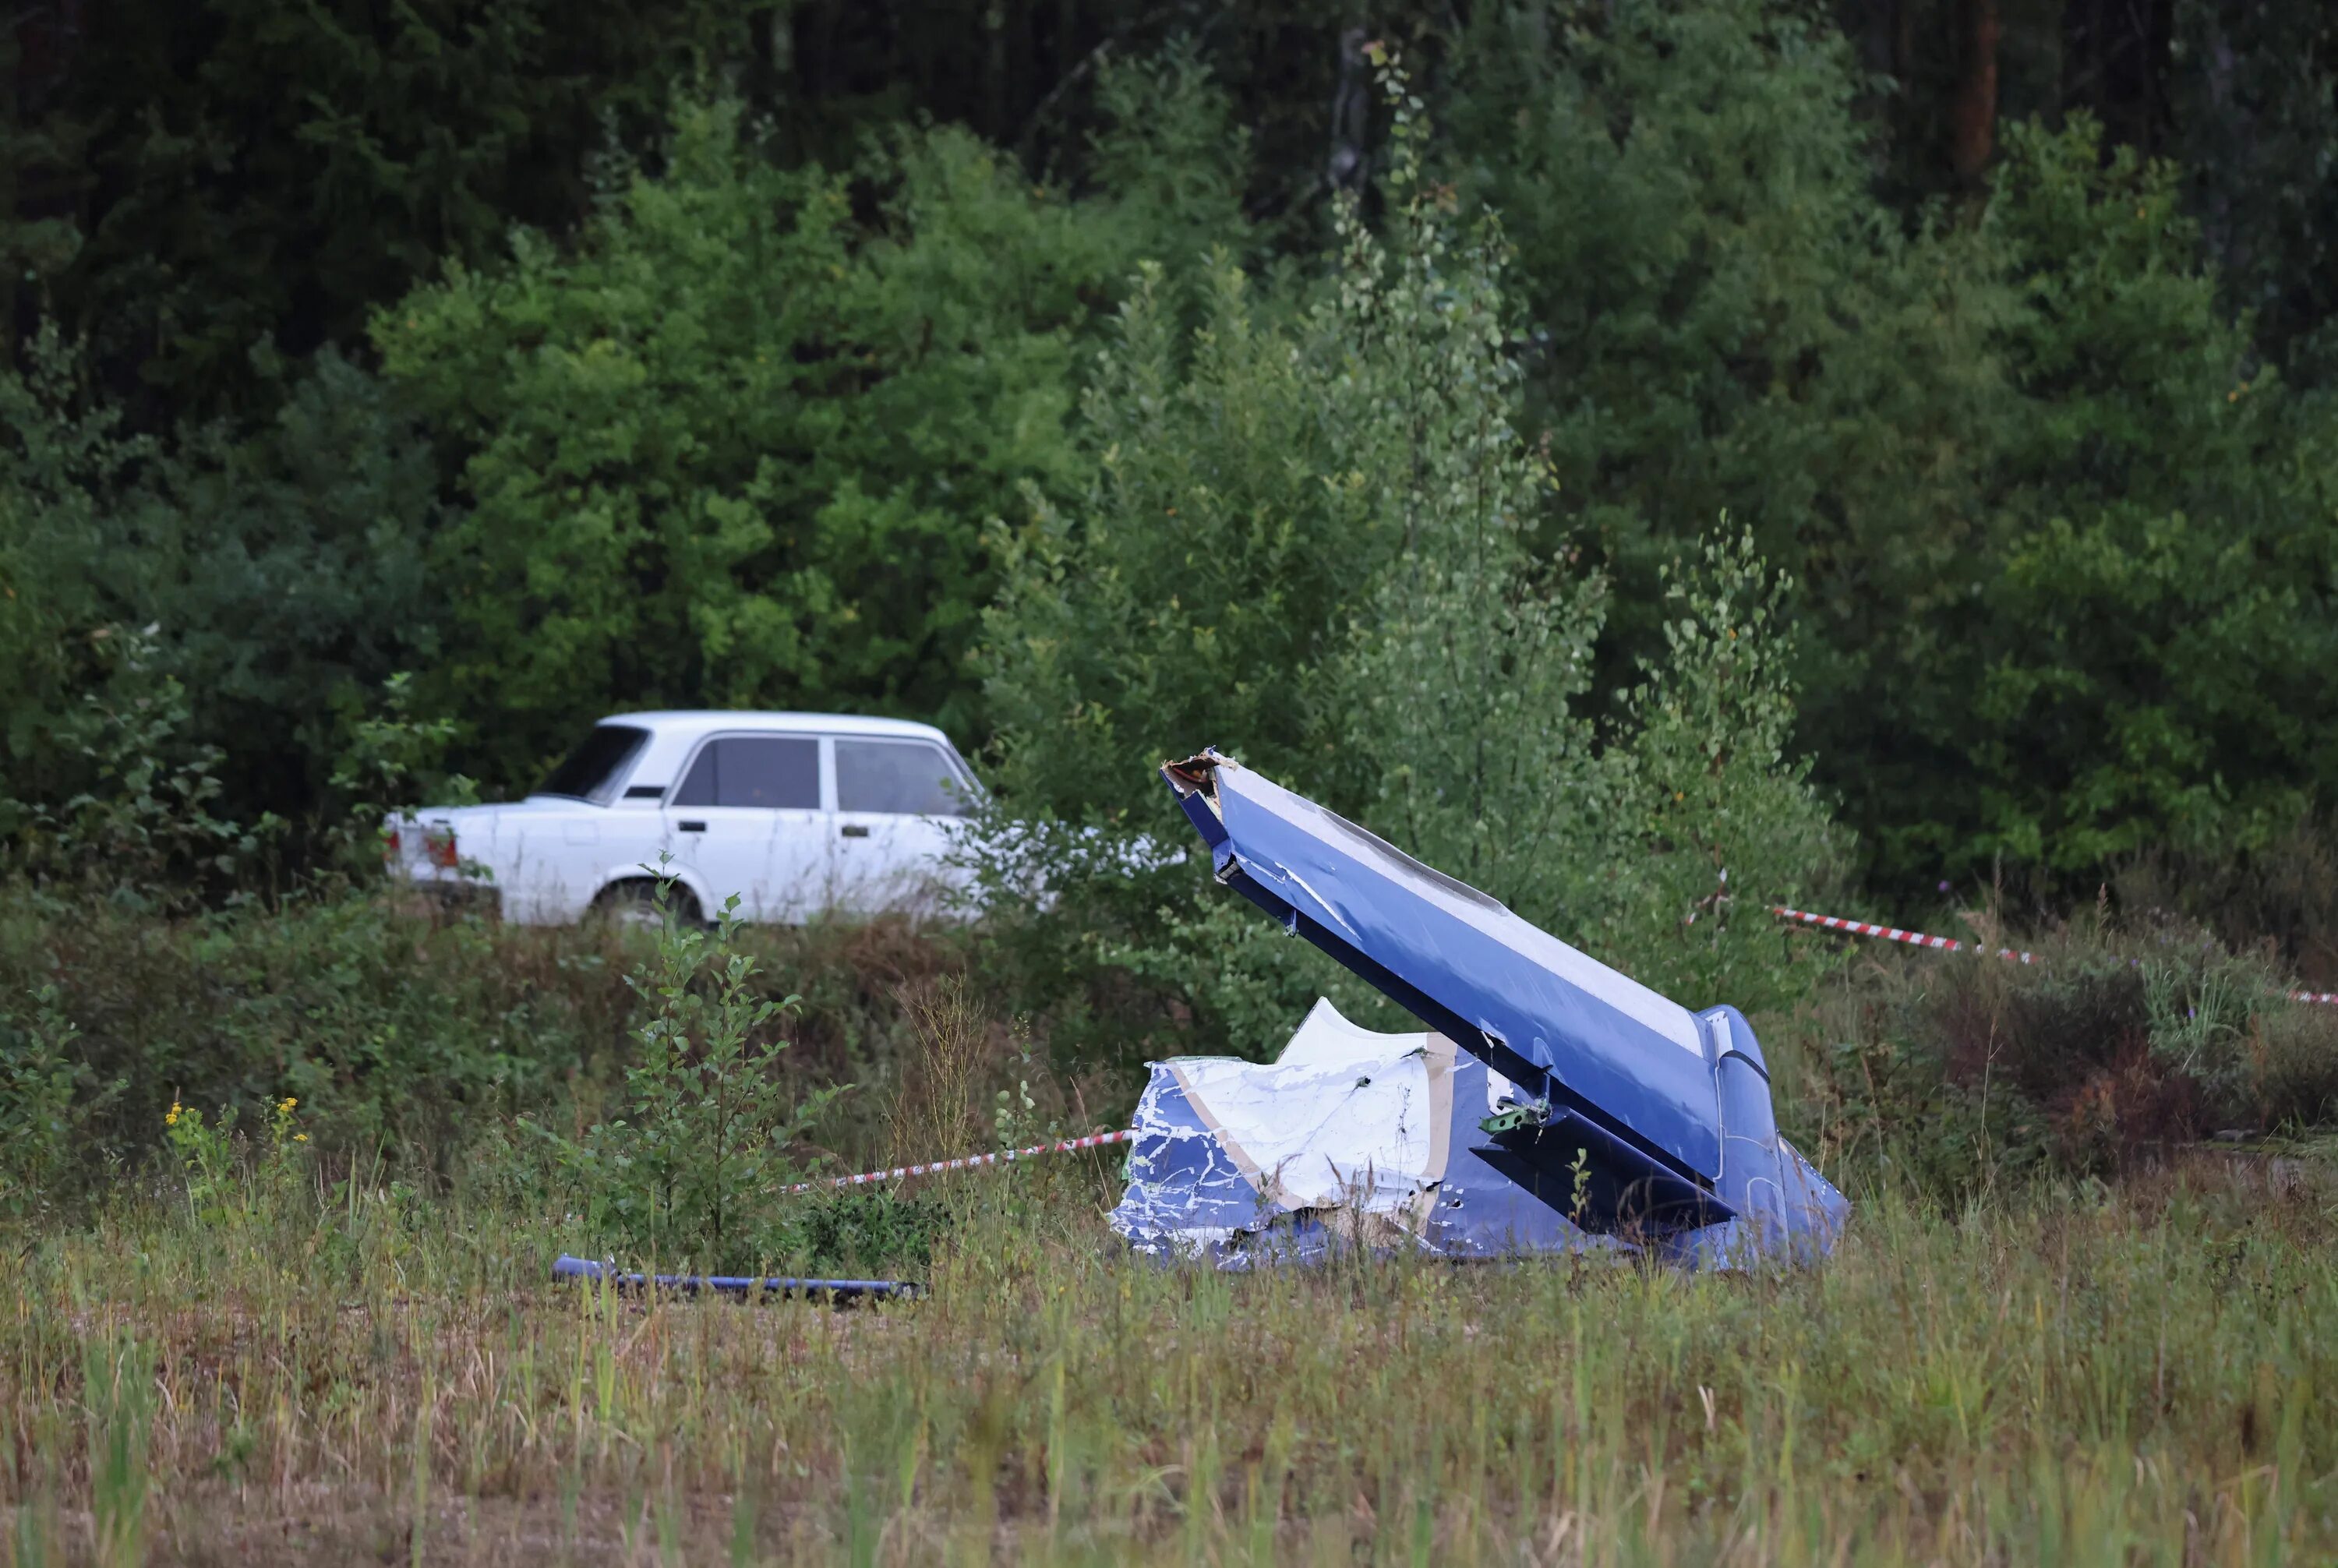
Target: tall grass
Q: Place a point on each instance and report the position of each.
(350, 1349)
(2084, 1374)
(937, 1107)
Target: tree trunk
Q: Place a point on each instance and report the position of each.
(10, 64)
(1345, 169)
(1973, 122)
(1879, 38)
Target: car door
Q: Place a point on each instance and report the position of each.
(748, 818)
(898, 802)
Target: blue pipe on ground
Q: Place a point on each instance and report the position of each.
(584, 1269)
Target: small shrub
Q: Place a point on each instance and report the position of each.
(696, 1166)
(1015, 1119)
(2041, 1030)
(141, 827)
(2295, 1054)
(2119, 1043)
(1878, 1102)
(42, 1112)
(874, 1227)
(392, 762)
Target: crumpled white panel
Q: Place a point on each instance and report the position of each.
(1344, 1116)
(1350, 1137)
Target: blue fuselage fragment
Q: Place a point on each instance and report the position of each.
(1644, 1124)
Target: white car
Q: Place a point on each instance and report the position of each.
(796, 813)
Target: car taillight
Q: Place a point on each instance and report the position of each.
(438, 847)
(390, 844)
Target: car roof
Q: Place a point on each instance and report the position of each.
(702, 721)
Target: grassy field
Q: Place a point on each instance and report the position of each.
(258, 1349)
(2140, 1373)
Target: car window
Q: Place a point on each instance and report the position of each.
(779, 772)
(601, 760)
(911, 778)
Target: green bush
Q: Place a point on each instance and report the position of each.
(273, 578)
(416, 1045)
(738, 443)
(396, 1032)
(1312, 543)
(140, 831)
(2294, 1058)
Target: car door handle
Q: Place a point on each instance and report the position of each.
(692, 826)
(856, 831)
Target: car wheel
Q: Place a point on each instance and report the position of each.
(633, 905)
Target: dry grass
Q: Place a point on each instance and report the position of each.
(938, 1103)
(2137, 1375)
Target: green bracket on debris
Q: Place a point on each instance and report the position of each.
(1515, 1119)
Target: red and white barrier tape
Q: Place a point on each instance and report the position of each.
(1892, 932)
(1094, 1140)
(1950, 944)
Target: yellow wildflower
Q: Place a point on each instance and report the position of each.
(289, 1103)
(300, 1137)
(170, 1119)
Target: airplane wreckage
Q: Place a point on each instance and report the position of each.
(1553, 1104)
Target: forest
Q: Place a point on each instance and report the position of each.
(1657, 461)
(721, 356)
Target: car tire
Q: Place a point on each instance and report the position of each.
(634, 906)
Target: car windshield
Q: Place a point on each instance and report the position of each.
(594, 770)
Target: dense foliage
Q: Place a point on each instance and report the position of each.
(2064, 536)
(580, 362)
(195, 190)
(1314, 541)
(737, 445)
